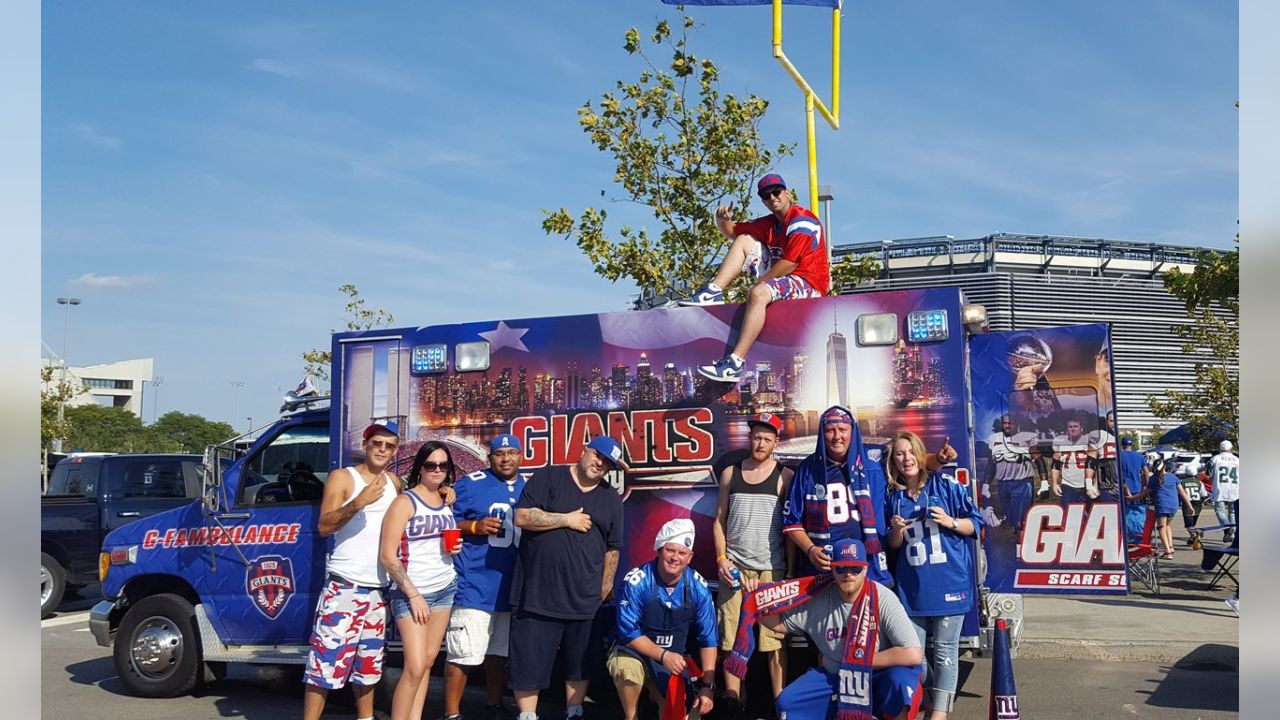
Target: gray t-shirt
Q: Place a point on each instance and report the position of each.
(824, 617)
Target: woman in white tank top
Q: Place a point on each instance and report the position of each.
(424, 581)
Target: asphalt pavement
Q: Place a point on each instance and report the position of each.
(1174, 657)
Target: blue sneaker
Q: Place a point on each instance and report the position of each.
(726, 369)
(706, 295)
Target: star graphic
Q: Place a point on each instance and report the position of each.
(505, 336)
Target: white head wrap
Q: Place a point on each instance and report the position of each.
(678, 531)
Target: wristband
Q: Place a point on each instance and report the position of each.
(811, 547)
(721, 556)
(663, 655)
(473, 527)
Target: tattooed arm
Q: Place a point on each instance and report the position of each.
(610, 570)
(538, 519)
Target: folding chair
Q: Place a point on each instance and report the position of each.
(1144, 559)
(1221, 560)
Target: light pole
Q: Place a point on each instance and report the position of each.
(156, 382)
(235, 398)
(66, 332)
(250, 428)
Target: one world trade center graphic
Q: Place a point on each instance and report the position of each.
(837, 366)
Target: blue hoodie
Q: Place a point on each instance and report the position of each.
(828, 500)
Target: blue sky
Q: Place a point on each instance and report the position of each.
(212, 173)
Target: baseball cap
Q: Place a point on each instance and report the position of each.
(1225, 446)
(837, 415)
(610, 449)
(768, 420)
(505, 441)
(1126, 442)
(771, 180)
(678, 531)
(387, 427)
(849, 551)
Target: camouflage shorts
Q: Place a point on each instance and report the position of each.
(349, 637)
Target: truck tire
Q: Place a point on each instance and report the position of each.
(157, 649)
(53, 584)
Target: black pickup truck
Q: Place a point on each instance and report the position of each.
(88, 497)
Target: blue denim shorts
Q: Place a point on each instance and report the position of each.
(441, 599)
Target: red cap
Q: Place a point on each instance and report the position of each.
(768, 419)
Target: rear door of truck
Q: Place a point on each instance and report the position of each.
(139, 486)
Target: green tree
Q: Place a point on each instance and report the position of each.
(1212, 297)
(53, 393)
(184, 432)
(681, 149)
(359, 317)
(104, 429)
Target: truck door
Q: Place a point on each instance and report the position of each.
(145, 486)
(266, 561)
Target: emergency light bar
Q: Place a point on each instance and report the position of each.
(927, 326)
(429, 359)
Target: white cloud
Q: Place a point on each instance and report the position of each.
(94, 280)
(91, 134)
(276, 67)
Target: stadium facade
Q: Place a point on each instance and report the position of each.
(1028, 281)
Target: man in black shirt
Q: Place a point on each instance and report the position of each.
(572, 537)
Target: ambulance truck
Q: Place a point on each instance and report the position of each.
(235, 576)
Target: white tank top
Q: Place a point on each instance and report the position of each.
(355, 545)
(422, 553)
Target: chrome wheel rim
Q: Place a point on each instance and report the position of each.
(46, 585)
(157, 647)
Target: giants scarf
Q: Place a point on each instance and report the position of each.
(862, 633)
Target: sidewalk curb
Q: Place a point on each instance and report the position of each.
(1122, 651)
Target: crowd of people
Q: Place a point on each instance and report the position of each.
(511, 574)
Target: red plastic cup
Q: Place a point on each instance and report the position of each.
(452, 538)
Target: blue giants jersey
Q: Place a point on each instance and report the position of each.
(640, 587)
(487, 562)
(935, 570)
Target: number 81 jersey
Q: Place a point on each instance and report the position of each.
(935, 570)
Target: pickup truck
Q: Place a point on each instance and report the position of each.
(88, 497)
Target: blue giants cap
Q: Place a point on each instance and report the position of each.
(849, 551)
(504, 441)
(836, 415)
(610, 449)
(772, 180)
(1126, 442)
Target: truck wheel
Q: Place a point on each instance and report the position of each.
(53, 583)
(157, 651)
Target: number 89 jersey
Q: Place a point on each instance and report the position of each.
(486, 563)
(935, 570)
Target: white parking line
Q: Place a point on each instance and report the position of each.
(80, 617)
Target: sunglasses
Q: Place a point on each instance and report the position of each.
(772, 193)
(848, 569)
(384, 444)
(437, 467)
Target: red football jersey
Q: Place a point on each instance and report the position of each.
(800, 238)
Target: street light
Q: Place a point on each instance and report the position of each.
(235, 397)
(156, 382)
(66, 331)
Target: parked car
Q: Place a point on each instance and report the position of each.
(91, 495)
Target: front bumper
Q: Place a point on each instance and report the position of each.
(100, 622)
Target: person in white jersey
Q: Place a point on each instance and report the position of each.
(347, 642)
(1076, 462)
(1224, 470)
(421, 570)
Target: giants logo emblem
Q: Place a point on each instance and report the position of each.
(269, 582)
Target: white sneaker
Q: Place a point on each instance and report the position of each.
(1233, 602)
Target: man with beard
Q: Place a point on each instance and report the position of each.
(748, 540)
(660, 603)
(572, 523)
(478, 627)
(838, 492)
(348, 640)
